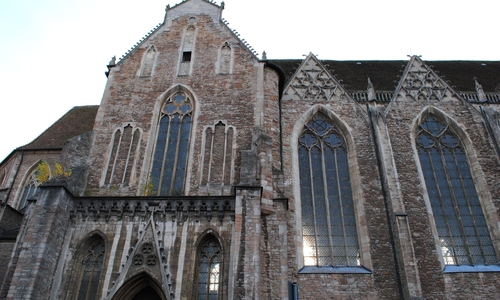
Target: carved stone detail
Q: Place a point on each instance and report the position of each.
(138, 259)
(313, 82)
(162, 208)
(422, 83)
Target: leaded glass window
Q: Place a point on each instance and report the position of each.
(209, 271)
(328, 222)
(92, 266)
(463, 234)
(29, 190)
(171, 151)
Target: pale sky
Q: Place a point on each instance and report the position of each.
(53, 53)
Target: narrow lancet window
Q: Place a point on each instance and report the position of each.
(209, 271)
(328, 221)
(92, 264)
(463, 233)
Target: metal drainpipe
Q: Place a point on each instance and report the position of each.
(15, 177)
(490, 130)
(386, 204)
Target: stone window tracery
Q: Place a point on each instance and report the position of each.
(29, 189)
(463, 233)
(92, 264)
(209, 271)
(328, 220)
(218, 158)
(121, 162)
(172, 143)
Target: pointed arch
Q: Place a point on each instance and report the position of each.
(30, 185)
(209, 266)
(120, 166)
(328, 199)
(217, 162)
(459, 217)
(169, 166)
(87, 277)
(148, 61)
(141, 284)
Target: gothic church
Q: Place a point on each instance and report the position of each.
(209, 173)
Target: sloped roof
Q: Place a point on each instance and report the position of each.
(76, 121)
(385, 75)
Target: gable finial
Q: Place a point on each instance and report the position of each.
(222, 5)
(479, 90)
(264, 55)
(371, 91)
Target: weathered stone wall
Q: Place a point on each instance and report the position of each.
(38, 247)
(135, 100)
(374, 240)
(401, 121)
(28, 161)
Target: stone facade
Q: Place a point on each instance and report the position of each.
(193, 181)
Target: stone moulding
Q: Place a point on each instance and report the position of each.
(163, 208)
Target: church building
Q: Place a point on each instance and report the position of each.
(209, 173)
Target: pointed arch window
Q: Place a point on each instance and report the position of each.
(463, 233)
(209, 271)
(30, 188)
(92, 264)
(328, 221)
(170, 155)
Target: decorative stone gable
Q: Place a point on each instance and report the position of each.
(420, 83)
(146, 256)
(313, 82)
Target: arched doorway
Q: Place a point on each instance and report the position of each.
(147, 293)
(140, 287)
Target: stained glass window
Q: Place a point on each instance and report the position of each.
(328, 221)
(29, 190)
(170, 155)
(209, 271)
(92, 266)
(463, 234)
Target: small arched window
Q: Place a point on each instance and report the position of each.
(172, 143)
(209, 270)
(328, 221)
(463, 233)
(29, 189)
(91, 268)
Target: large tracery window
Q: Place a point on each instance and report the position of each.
(209, 271)
(170, 155)
(462, 229)
(328, 221)
(92, 264)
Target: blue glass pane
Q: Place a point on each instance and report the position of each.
(457, 211)
(170, 157)
(182, 154)
(159, 151)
